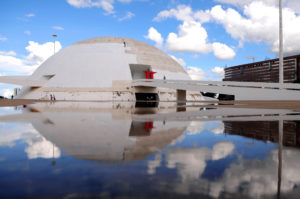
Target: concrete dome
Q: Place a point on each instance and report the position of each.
(100, 61)
(103, 69)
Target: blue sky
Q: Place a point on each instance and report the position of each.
(205, 36)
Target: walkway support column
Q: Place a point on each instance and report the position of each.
(181, 100)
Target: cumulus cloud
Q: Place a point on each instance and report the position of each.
(222, 51)
(182, 13)
(192, 36)
(179, 60)
(251, 21)
(38, 53)
(258, 19)
(128, 15)
(218, 71)
(155, 36)
(196, 73)
(106, 5)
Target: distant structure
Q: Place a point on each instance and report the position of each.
(265, 71)
(103, 69)
(266, 131)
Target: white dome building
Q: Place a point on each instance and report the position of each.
(103, 69)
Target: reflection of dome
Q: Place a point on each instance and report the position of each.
(101, 69)
(102, 133)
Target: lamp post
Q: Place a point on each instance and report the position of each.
(54, 36)
(280, 44)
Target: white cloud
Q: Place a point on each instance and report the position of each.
(196, 73)
(7, 93)
(9, 53)
(106, 5)
(218, 71)
(192, 37)
(2, 38)
(179, 60)
(16, 65)
(259, 23)
(38, 53)
(182, 13)
(57, 28)
(128, 15)
(27, 32)
(222, 51)
(155, 36)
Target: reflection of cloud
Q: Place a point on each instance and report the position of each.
(42, 148)
(10, 133)
(190, 162)
(222, 150)
(219, 129)
(195, 127)
(245, 177)
(38, 146)
(153, 164)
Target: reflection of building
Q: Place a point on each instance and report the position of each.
(106, 134)
(265, 71)
(266, 131)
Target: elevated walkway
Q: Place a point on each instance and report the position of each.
(240, 90)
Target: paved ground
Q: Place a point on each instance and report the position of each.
(295, 105)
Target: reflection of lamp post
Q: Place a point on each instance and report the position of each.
(54, 35)
(280, 144)
(53, 163)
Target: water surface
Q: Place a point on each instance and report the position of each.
(117, 150)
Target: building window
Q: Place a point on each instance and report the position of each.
(270, 65)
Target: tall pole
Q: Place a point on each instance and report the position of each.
(54, 35)
(280, 44)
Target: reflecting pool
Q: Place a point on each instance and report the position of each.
(120, 150)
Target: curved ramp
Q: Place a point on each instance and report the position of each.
(241, 90)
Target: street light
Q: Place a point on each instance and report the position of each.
(280, 44)
(54, 36)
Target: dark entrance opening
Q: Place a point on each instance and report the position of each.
(146, 99)
(146, 96)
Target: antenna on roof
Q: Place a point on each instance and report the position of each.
(252, 58)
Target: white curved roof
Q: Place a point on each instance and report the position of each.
(100, 61)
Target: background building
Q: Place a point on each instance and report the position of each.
(265, 71)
